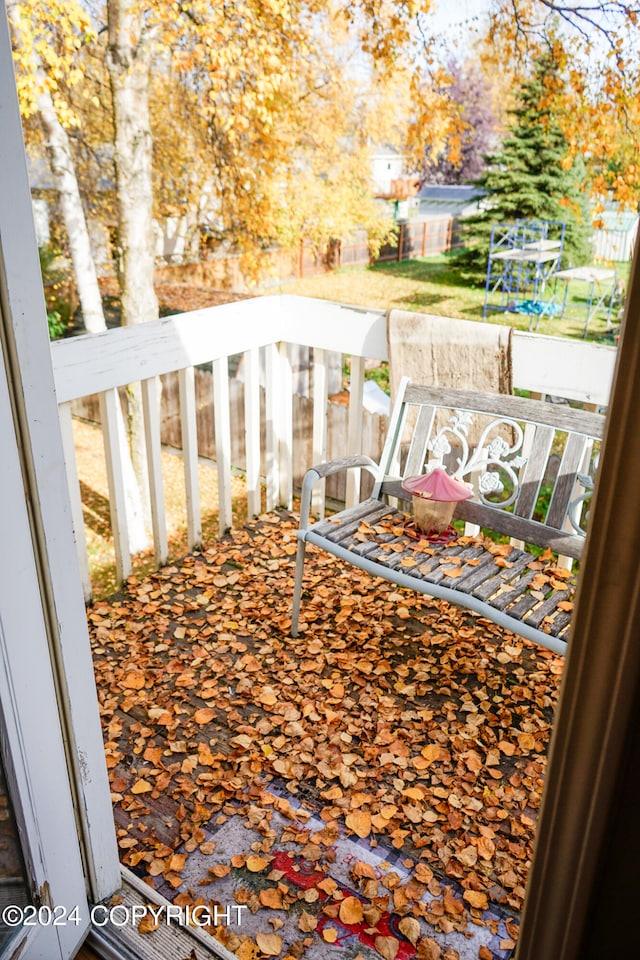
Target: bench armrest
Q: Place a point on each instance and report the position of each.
(342, 463)
(325, 469)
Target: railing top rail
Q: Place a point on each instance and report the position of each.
(575, 369)
(93, 363)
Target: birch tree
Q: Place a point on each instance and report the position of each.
(47, 37)
(40, 60)
(129, 55)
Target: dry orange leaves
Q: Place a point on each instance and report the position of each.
(397, 719)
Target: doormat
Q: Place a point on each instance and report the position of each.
(301, 888)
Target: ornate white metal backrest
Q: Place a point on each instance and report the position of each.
(491, 461)
(577, 509)
(494, 464)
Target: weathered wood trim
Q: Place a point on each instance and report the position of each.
(529, 531)
(271, 416)
(73, 482)
(517, 408)
(559, 367)
(96, 362)
(88, 364)
(572, 457)
(319, 425)
(358, 331)
(418, 448)
(285, 428)
(537, 453)
(252, 430)
(508, 524)
(390, 458)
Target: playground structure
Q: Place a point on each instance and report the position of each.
(523, 257)
(602, 291)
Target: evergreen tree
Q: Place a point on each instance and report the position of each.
(531, 177)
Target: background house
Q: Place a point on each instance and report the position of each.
(455, 200)
(616, 238)
(387, 165)
(428, 221)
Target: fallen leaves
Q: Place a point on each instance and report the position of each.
(408, 722)
(410, 928)
(204, 715)
(133, 681)
(476, 899)
(428, 949)
(141, 786)
(271, 897)
(269, 943)
(526, 742)
(360, 822)
(351, 911)
(387, 947)
(307, 923)
(148, 923)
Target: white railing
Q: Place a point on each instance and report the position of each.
(101, 363)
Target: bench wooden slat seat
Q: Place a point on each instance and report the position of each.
(483, 582)
(516, 441)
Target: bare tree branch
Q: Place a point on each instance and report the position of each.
(598, 17)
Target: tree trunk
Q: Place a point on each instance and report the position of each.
(128, 57)
(63, 169)
(64, 174)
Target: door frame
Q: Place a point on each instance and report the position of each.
(52, 738)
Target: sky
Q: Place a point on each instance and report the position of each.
(450, 13)
(457, 21)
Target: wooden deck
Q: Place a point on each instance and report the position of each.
(431, 723)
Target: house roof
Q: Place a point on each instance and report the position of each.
(450, 193)
(454, 199)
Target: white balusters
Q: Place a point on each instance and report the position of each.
(189, 429)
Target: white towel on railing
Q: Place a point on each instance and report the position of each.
(449, 352)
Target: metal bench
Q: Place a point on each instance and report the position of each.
(531, 464)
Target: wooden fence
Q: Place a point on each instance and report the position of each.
(415, 238)
(224, 271)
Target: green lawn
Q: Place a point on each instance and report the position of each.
(437, 285)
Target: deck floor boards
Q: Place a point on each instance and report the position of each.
(207, 703)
